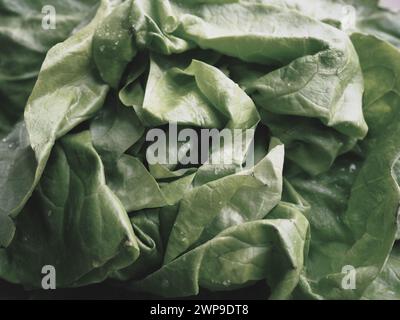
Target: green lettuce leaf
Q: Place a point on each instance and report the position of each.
(73, 222)
(306, 206)
(238, 256)
(354, 206)
(74, 95)
(25, 43)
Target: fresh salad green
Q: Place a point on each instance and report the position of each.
(307, 204)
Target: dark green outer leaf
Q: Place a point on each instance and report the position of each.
(67, 92)
(25, 42)
(73, 222)
(368, 220)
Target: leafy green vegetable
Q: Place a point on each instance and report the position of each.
(386, 285)
(354, 206)
(302, 98)
(75, 92)
(71, 206)
(25, 43)
(237, 256)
